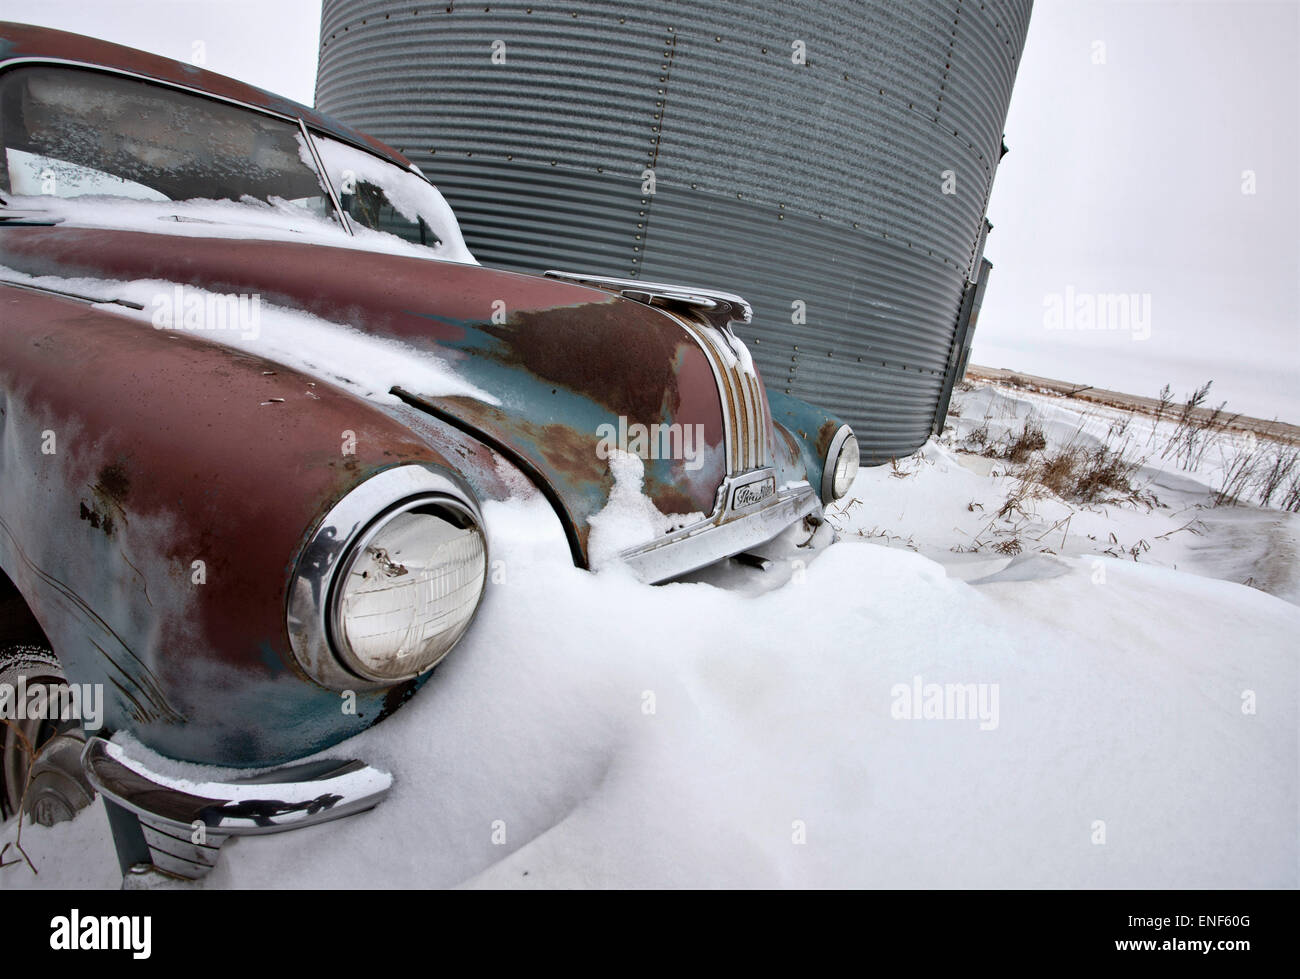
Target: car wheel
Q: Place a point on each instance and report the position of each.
(40, 758)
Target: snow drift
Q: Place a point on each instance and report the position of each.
(592, 731)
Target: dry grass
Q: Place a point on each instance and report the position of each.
(1056, 471)
(1282, 469)
(1164, 403)
(1238, 474)
(977, 440)
(1074, 473)
(1250, 473)
(877, 533)
(1026, 442)
(1291, 500)
(1197, 429)
(1014, 447)
(1083, 475)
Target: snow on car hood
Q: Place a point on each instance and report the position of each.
(366, 365)
(536, 367)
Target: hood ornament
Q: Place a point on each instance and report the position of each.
(721, 309)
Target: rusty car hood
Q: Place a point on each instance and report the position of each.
(559, 360)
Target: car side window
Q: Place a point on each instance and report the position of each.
(380, 196)
(367, 204)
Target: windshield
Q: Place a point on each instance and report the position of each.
(99, 149)
(74, 133)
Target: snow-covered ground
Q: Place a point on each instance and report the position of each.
(1132, 717)
(945, 503)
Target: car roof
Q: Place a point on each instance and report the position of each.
(26, 42)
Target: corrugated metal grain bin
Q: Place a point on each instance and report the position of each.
(831, 161)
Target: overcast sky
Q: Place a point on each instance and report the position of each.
(1152, 179)
(1126, 177)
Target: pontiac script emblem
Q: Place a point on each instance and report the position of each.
(751, 493)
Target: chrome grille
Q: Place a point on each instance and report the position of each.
(706, 314)
(744, 416)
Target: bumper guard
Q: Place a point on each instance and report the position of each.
(185, 822)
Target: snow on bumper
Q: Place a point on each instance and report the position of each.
(185, 822)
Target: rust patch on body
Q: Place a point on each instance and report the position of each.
(113, 483)
(825, 435)
(97, 519)
(670, 500)
(792, 447)
(573, 350)
(110, 490)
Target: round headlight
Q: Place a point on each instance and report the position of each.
(388, 580)
(841, 465)
(407, 589)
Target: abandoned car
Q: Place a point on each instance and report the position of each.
(254, 391)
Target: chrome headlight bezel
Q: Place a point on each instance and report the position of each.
(451, 512)
(843, 437)
(311, 616)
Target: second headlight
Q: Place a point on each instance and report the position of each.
(841, 466)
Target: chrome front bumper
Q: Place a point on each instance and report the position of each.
(186, 822)
(735, 529)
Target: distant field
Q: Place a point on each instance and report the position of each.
(1277, 430)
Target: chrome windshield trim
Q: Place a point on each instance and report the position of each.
(323, 176)
(127, 73)
(186, 820)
